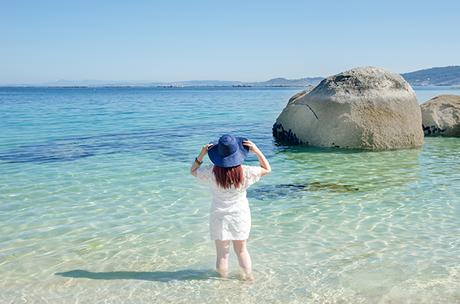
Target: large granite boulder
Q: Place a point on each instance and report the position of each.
(441, 116)
(363, 108)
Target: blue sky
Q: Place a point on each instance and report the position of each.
(172, 40)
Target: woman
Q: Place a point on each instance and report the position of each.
(230, 216)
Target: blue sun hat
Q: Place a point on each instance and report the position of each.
(229, 151)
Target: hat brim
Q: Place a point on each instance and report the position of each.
(232, 160)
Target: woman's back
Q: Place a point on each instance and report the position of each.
(230, 195)
(230, 215)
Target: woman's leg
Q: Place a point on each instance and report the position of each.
(244, 259)
(223, 251)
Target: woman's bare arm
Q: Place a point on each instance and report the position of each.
(263, 162)
(200, 157)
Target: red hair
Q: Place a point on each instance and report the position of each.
(227, 177)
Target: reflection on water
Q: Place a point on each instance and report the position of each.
(342, 170)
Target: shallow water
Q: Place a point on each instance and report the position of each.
(96, 203)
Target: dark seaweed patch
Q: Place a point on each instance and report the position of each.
(78, 147)
(270, 192)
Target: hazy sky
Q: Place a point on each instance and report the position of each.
(248, 40)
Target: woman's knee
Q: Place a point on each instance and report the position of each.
(222, 244)
(222, 247)
(239, 246)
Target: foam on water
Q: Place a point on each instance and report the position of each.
(96, 204)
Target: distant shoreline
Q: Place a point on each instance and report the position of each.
(430, 87)
(150, 87)
(438, 77)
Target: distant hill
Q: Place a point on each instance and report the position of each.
(275, 82)
(283, 82)
(442, 76)
(202, 83)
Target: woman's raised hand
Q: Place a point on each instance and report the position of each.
(205, 149)
(199, 159)
(263, 162)
(250, 145)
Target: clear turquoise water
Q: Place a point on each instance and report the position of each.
(96, 204)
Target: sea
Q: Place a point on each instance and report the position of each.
(97, 204)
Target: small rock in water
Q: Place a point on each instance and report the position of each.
(441, 116)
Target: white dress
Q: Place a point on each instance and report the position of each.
(229, 216)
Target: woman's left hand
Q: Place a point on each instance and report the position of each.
(205, 149)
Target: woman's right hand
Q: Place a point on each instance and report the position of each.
(263, 162)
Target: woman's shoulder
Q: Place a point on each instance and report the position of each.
(205, 168)
(252, 173)
(248, 168)
(204, 173)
